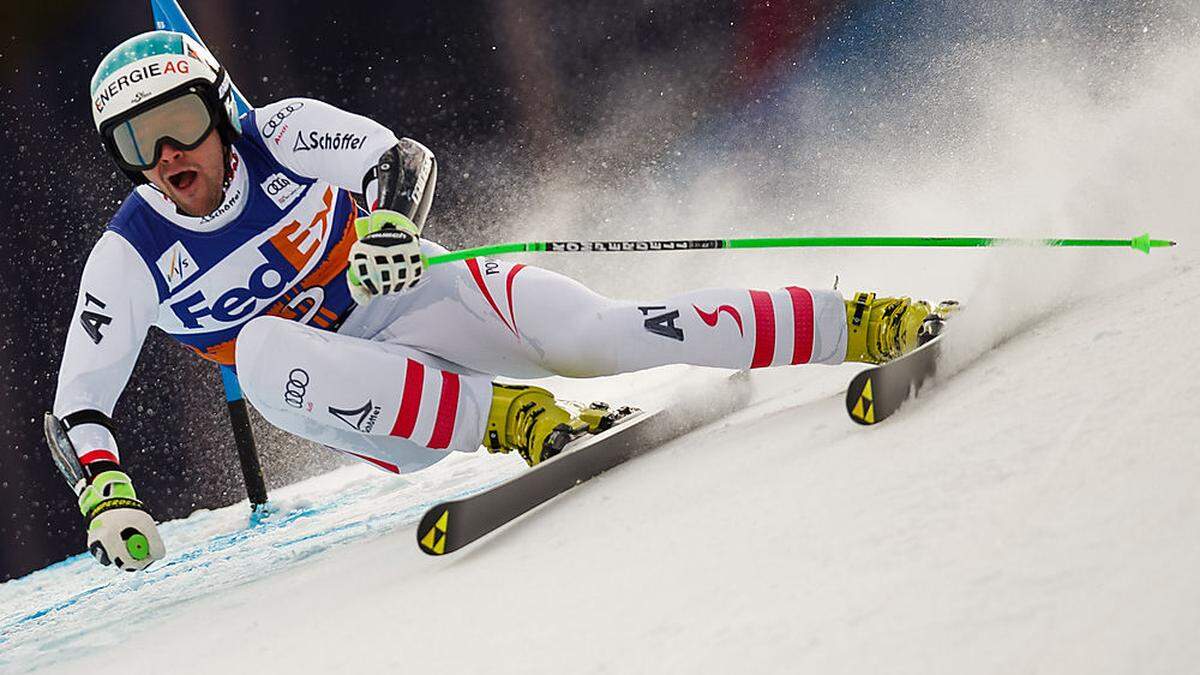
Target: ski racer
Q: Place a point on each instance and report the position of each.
(242, 240)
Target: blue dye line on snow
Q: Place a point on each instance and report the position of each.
(192, 558)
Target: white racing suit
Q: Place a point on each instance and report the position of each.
(260, 284)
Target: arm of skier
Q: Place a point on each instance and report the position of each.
(397, 178)
(115, 308)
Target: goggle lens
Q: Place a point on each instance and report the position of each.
(184, 121)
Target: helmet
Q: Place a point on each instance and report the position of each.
(160, 86)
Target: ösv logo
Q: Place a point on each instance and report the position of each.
(327, 141)
(361, 418)
(282, 256)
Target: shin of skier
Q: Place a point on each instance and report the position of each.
(241, 240)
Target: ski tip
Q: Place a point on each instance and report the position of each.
(434, 529)
(860, 403)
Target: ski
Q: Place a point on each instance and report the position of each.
(449, 526)
(877, 392)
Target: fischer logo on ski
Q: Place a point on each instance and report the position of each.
(434, 541)
(864, 409)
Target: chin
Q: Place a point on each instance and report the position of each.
(214, 205)
(201, 210)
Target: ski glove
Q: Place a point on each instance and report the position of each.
(119, 530)
(386, 258)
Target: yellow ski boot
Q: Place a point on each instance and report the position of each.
(529, 420)
(881, 329)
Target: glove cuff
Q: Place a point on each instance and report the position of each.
(105, 488)
(381, 218)
(109, 505)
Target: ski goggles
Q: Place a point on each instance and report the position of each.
(137, 140)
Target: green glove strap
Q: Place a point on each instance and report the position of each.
(381, 217)
(105, 486)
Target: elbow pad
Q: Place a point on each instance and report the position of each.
(404, 180)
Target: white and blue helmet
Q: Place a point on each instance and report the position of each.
(160, 86)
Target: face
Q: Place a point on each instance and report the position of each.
(193, 179)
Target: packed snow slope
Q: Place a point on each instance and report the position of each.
(1038, 510)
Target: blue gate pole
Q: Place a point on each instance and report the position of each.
(243, 437)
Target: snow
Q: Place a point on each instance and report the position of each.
(1036, 511)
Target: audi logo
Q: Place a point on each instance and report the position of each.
(278, 184)
(273, 123)
(296, 387)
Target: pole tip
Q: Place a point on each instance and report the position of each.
(1144, 243)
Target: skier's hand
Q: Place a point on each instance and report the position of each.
(120, 531)
(386, 258)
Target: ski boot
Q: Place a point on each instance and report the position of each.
(529, 420)
(881, 329)
(933, 324)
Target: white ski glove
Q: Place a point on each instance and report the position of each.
(120, 531)
(386, 258)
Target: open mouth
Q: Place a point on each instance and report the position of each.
(182, 180)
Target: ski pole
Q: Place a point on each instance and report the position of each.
(1143, 243)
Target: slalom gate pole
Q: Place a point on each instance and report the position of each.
(1143, 243)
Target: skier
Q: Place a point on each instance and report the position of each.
(241, 239)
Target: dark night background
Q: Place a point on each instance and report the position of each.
(502, 91)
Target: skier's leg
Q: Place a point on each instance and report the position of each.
(523, 321)
(509, 319)
(396, 406)
(582, 334)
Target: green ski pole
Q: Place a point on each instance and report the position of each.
(1143, 243)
